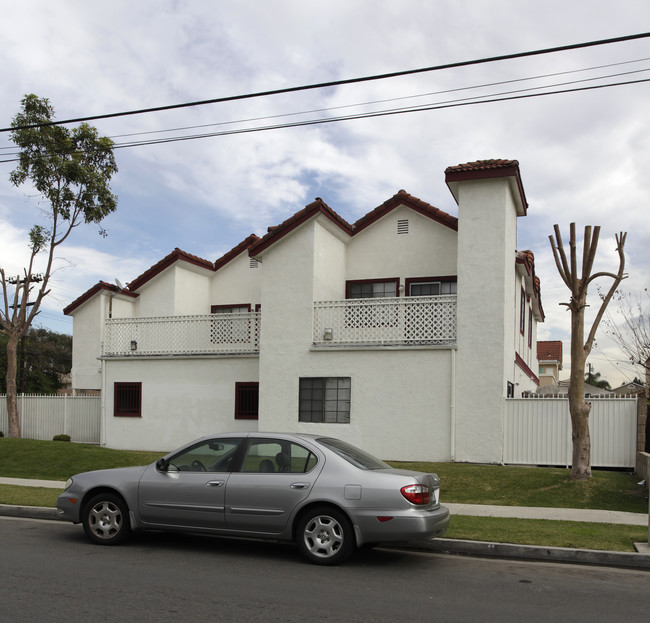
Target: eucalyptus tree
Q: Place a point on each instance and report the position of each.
(70, 169)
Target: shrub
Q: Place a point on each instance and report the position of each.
(61, 438)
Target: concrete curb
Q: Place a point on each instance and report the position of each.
(451, 546)
(535, 552)
(28, 512)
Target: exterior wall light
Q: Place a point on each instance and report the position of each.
(134, 345)
(328, 334)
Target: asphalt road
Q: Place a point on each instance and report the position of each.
(51, 573)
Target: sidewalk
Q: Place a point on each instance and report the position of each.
(641, 559)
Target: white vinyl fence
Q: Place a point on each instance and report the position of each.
(42, 417)
(538, 432)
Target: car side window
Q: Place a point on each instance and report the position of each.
(278, 456)
(215, 455)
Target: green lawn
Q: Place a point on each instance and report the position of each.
(461, 483)
(505, 485)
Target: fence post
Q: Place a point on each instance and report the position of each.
(65, 414)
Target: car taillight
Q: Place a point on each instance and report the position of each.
(416, 494)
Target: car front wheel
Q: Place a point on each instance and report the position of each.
(325, 536)
(106, 519)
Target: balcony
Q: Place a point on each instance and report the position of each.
(401, 321)
(212, 334)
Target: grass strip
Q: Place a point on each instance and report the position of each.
(29, 496)
(547, 533)
(509, 485)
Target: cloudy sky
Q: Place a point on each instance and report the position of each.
(584, 156)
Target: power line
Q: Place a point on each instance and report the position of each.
(321, 85)
(386, 100)
(368, 115)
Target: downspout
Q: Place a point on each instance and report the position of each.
(452, 409)
(102, 415)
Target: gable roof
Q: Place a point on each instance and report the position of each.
(318, 206)
(175, 256)
(101, 286)
(402, 198)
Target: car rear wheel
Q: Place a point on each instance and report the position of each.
(106, 519)
(325, 536)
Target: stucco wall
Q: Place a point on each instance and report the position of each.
(181, 400)
(236, 283)
(88, 329)
(486, 252)
(400, 399)
(428, 250)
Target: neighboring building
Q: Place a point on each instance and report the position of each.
(403, 332)
(549, 354)
(629, 389)
(561, 389)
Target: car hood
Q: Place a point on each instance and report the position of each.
(112, 476)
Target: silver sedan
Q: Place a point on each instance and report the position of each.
(325, 494)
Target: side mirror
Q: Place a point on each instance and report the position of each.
(162, 465)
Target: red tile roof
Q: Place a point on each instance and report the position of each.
(550, 351)
(404, 198)
(235, 251)
(167, 261)
(98, 287)
(487, 169)
(483, 165)
(320, 207)
(275, 233)
(527, 260)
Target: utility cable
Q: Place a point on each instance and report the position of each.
(321, 85)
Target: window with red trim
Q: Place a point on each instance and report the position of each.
(522, 312)
(530, 328)
(430, 286)
(371, 288)
(247, 401)
(127, 400)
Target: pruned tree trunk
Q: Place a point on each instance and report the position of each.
(12, 396)
(579, 408)
(578, 284)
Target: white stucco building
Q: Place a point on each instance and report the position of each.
(403, 332)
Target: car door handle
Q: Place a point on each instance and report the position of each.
(214, 483)
(299, 485)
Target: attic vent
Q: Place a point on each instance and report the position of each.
(403, 226)
(254, 263)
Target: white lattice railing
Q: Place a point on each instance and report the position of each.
(217, 334)
(386, 321)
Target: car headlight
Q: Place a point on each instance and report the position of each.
(68, 484)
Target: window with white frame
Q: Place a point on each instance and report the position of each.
(430, 286)
(324, 400)
(372, 288)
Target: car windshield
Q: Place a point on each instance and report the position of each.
(352, 454)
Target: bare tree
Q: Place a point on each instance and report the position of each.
(578, 285)
(629, 327)
(71, 170)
